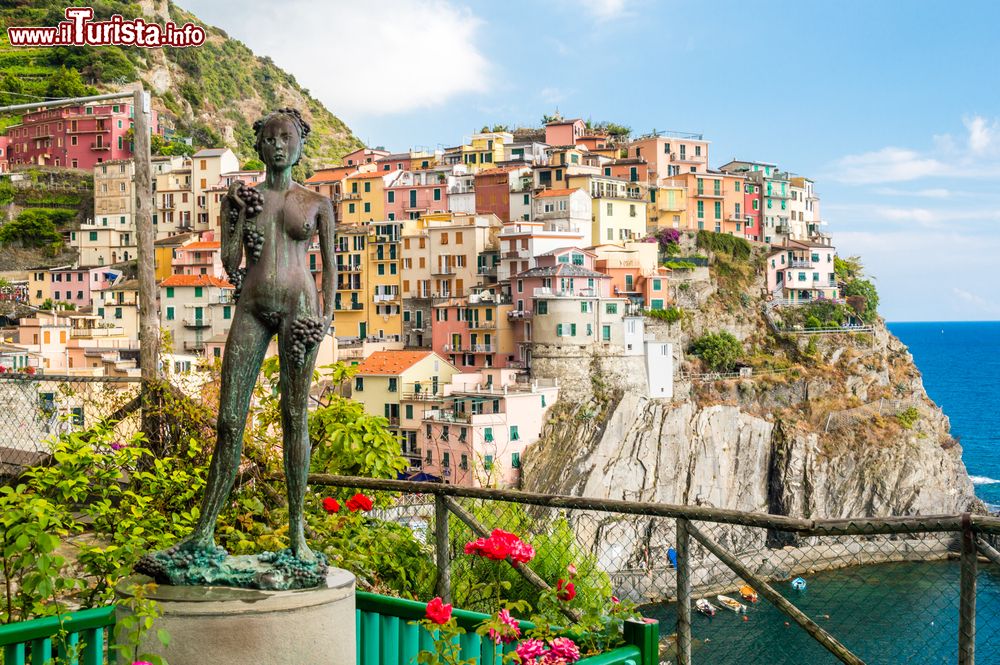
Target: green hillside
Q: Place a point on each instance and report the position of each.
(212, 93)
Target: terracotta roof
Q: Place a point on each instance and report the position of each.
(203, 244)
(330, 174)
(548, 193)
(390, 363)
(498, 169)
(373, 174)
(562, 270)
(195, 280)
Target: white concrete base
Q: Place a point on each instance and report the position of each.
(228, 626)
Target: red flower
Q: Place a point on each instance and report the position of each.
(331, 505)
(359, 502)
(565, 591)
(437, 612)
(500, 545)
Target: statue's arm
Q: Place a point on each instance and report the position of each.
(327, 245)
(232, 230)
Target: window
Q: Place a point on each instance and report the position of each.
(227, 312)
(199, 291)
(464, 463)
(586, 306)
(605, 337)
(170, 292)
(170, 314)
(610, 209)
(446, 459)
(542, 307)
(656, 284)
(445, 432)
(559, 330)
(350, 207)
(572, 330)
(515, 458)
(409, 411)
(488, 460)
(802, 277)
(368, 206)
(718, 209)
(93, 236)
(611, 308)
(656, 303)
(429, 459)
(488, 436)
(393, 384)
(391, 196)
(368, 185)
(701, 209)
(437, 193)
(359, 384)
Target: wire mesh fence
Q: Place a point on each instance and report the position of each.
(38, 408)
(888, 592)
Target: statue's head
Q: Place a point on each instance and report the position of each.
(280, 137)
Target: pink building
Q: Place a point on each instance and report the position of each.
(568, 269)
(4, 146)
(801, 271)
(74, 285)
(74, 136)
(477, 435)
(564, 132)
(474, 332)
(364, 156)
(198, 258)
(415, 193)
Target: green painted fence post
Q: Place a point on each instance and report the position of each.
(644, 634)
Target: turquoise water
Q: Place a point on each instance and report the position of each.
(960, 362)
(891, 613)
(886, 614)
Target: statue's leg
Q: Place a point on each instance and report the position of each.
(245, 349)
(296, 379)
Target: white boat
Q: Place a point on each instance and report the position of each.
(731, 604)
(705, 607)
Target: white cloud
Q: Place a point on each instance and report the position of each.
(976, 155)
(606, 10)
(886, 165)
(931, 193)
(358, 58)
(552, 95)
(983, 305)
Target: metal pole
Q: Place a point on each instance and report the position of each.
(149, 323)
(443, 586)
(967, 597)
(828, 641)
(683, 594)
(68, 101)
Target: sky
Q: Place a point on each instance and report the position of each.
(892, 107)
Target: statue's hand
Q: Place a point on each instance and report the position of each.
(234, 198)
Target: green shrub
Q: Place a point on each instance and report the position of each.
(680, 265)
(670, 314)
(908, 418)
(723, 243)
(720, 351)
(36, 227)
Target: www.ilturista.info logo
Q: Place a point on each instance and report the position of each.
(79, 30)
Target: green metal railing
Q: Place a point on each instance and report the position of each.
(38, 641)
(385, 636)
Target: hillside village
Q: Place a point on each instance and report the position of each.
(471, 279)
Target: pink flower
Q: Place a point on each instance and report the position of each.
(571, 569)
(117, 445)
(437, 611)
(511, 632)
(615, 600)
(528, 650)
(565, 648)
(500, 545)
(552, 658)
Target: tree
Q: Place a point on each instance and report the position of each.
(847, 269)
(865, 289)
(11, 84)
(720, 351)
(35, 227)
(253, 164)
(66, 83)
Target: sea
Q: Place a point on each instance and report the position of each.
(899, 612)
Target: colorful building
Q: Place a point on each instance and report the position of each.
(369, 273)
(564, 132)
(473, 332)
(618, 208)
(521, 242)
(194, 309)
(669, 154)
(364, 197)
(74, 285)
(74, 136)
(802, 271)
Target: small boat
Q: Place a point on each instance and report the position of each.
(731, 604)
(705, 607)
(799, 584)
(748, 594)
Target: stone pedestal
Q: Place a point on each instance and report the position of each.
(229, 626)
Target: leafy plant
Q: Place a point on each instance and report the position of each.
(720, 351)
(670, 314)
(908, 418)
(724, 243)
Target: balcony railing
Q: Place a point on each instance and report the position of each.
(489, 271)
(347, 267)
(385, 297)
(686, 158)
(443, 270)
(517, 254)
(515, 314)
(476, 324)
(197, 345)
(560, 293)
(99, 146)
(197, 323)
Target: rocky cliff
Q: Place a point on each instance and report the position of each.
(827, 426)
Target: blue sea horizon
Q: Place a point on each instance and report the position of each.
(960, 364)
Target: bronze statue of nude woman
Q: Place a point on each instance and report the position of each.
(272, 226)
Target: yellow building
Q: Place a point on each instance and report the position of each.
(369, 274)
(363, 198)
(619, 208)
(400, 385)
(483, 151)
(666, 205)
(39, 286)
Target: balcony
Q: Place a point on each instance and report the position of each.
(448, 416)
(99, 146)
(684, 158)
(545, 291)
(351, 196)
(443, 270)
(516, 314)
(489, 271)
(704, 194)
(197, 323)
(196, 345)
(88, 333)
(476, 324)
(422, 396)
(777, 194)
(349, 268)
(385, 297)
(482, 348)
(736, 216)
(517, 254)
(801, 263)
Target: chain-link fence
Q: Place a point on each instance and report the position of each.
(782, 590)
(37, 408)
